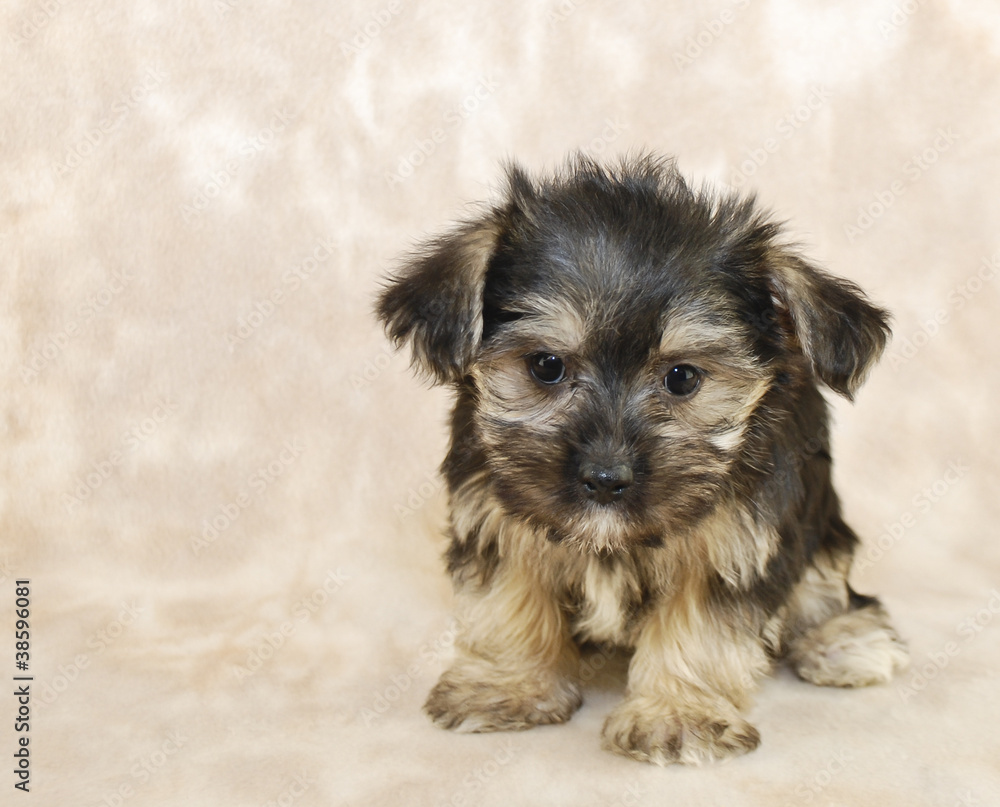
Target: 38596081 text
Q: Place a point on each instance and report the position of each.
(22, 684)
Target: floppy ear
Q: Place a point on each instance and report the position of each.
(841, 333)
(435, 301)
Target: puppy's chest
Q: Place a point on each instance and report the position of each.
(607, 602)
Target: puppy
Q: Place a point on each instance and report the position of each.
(640, 455)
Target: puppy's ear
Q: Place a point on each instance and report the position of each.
(435, 301)
(841, 333)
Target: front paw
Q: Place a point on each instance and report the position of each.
(658, 731)
(855, 649)
(471, 701)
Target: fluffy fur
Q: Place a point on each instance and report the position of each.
(670, 490)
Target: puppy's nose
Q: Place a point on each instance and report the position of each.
(605, 483)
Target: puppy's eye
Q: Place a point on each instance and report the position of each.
(682, 380)
(547, 368)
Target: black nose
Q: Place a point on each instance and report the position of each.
(605, 483)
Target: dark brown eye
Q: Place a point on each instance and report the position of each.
(547, 368)
(682, 380)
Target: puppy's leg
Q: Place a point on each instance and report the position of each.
(515, 660)
(691, 674)
(837, 637)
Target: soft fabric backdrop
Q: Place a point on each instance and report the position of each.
(222, 484)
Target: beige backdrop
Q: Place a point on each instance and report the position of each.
(222, 484)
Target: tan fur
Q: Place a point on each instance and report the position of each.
(510, 395)
(601, 531)
(602, 618)
(725, 402)
(829, 643)
(687, 641)
(514, 662)
(694, 667)
(685, 332)
(820, 595)
(678, 724)
(690, 674)
(731, 392)
(691, 671)
(617, 473)
(737, 546)
(856, 648)
(478, 245)
(557, 327)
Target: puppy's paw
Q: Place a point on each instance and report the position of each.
(497, 702)
(854, 649)
(651, 730)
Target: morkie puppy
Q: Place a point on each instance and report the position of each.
(640, 455)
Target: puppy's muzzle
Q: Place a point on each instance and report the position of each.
(605, 483)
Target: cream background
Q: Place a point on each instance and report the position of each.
(117, 302)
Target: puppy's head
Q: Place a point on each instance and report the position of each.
(625, 338)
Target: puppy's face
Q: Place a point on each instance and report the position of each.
(616, 380)
(628, 343)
